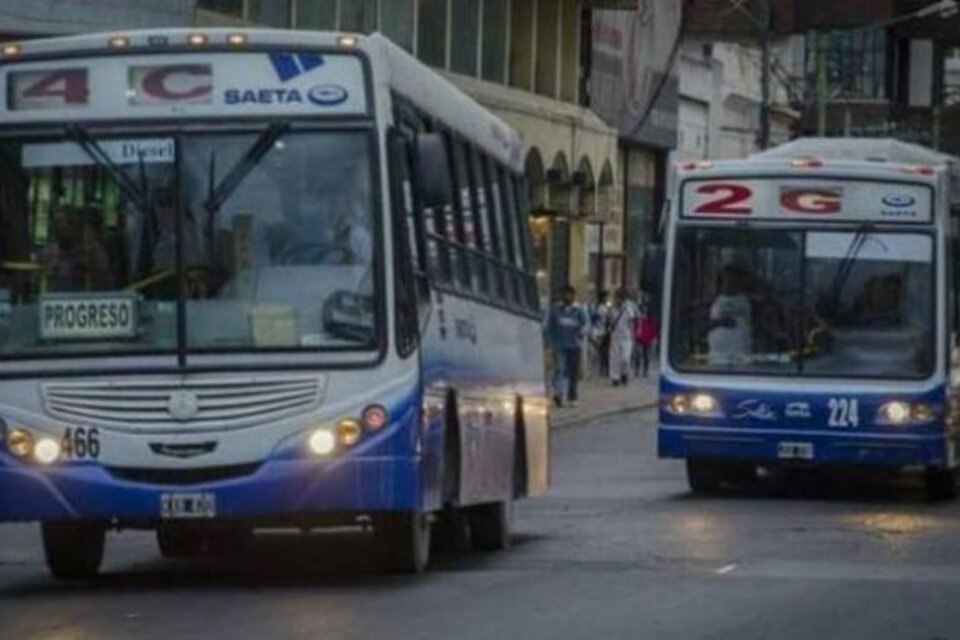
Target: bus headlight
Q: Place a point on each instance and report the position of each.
(19, 442)
(375, 417)
(678, 404)
(898, 412)
(349, 432)
(322, 442)
(895, 412)
(703, 405)
(46, 451)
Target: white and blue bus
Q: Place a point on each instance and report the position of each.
(810, 313)
(260, 278)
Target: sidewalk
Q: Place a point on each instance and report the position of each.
(598, 398)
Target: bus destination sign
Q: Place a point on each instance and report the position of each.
(803, 199)
(86, 317)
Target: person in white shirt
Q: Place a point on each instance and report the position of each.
(730, 330)
(623, 318)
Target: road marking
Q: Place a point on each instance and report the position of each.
(722, 571)
(886, 572)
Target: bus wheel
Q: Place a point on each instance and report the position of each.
(703, 476)
(74, 550)
(941, 484)
(490, 525)
(450, 531)
(404, 539)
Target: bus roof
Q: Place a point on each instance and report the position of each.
(395, 69)
(859, 149)
(438, 97)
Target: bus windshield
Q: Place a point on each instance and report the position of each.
(273, 250)
(803, 303)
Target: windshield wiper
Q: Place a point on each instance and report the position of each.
(846, 265)
(220, 193)
(93, 149)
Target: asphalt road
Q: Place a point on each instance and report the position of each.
(619, 549)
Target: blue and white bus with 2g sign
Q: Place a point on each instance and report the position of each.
(810, 312)
(260, 278)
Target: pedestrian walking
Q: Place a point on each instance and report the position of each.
(623, 317)
(566, 327)
(600, 333)
(647, 332)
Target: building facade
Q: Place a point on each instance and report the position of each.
(720, 101)
(634, 87)
(858, 67)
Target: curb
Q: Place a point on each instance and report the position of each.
(599, 414)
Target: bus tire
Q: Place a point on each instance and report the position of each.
(703, 475)
(490, 525)
(450, 533)
(940, 484)
(451, 453)
(73, 550)
(404, 539)
(520, 474)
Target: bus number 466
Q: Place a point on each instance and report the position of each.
(80, 443)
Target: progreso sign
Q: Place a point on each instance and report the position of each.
(806, 199)
(184, 85)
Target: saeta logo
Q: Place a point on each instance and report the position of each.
(899, 201)
(327, 95)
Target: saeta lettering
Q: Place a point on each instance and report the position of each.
(262, 96)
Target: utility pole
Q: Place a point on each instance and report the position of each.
(764, 137)
(823, 41)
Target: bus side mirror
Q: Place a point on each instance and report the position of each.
(433, 170)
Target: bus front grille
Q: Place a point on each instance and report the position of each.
(192, 404)
(183, 476)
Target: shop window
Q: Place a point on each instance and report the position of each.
(227, 7)
(856, 61)
(464, 17)
(494, 57)
(317, 14)
(396, 22)
(273, 13)
(432, 33)
(358, 15)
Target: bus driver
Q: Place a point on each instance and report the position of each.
(730, 330)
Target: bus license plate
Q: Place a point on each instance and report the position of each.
(795, 451)
(188, 506)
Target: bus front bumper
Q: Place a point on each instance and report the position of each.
(277, 490)
(799, 446)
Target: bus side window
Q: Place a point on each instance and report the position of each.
(456, 220)
(511, 234)
(410, 280)
(498, 220)
(481, 224)
(472, 236)
(521, 196)
(429, 171)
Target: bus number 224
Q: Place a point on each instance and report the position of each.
(844, 413)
